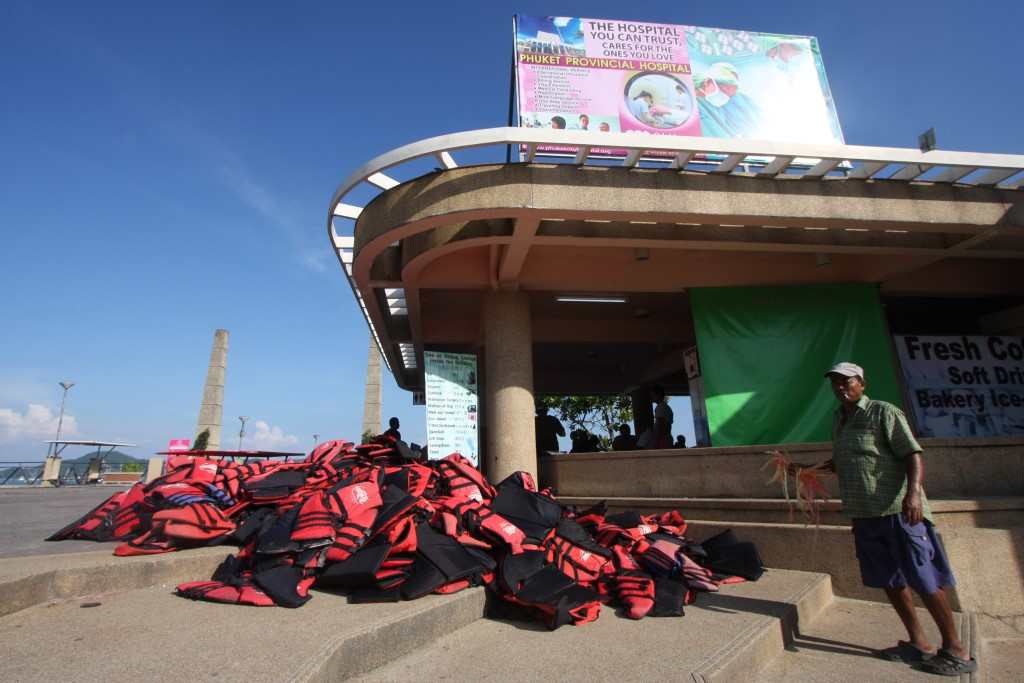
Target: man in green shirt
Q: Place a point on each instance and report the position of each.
(878, 463)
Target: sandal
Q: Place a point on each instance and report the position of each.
(945, 663)
(905, 652)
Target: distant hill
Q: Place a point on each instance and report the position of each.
(114, 458)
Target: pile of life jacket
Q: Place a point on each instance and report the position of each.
(378, 525)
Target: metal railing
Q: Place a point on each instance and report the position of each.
(722, 156)
(30, 472)
(20, 472)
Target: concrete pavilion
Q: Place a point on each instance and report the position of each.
(474, 258)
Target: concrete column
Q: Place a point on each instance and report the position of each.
(51, 471)
(508, 394)
(154, 469)
(372, 422)
(643, 411)
(211, 410)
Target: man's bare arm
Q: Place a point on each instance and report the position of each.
(913, 507)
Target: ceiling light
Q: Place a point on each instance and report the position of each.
(573, 299)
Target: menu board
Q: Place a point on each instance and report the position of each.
(451, 405)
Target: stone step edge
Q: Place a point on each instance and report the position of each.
(75, 575)
(379, 644)
(940, 505)
(753, 648)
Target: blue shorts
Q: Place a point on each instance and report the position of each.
(894, 554)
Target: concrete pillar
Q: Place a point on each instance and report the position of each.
(51, 471)
(154, 469)
(211, 410)
(508, 393)
(372, 422)
(643, 410)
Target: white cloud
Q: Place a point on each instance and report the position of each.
(265, 437)
(37, 422)
(315, 260)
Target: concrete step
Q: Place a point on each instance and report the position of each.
(840, 645)
(153, 635)
(728, 636)
(996, 512)
(957, 469)
(34, 580)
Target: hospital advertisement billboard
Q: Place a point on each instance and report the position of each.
(667, 79)
(964, 385)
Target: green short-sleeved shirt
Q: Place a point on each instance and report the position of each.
(870, 452)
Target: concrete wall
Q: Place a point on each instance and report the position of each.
(987, 564)
(954, 468)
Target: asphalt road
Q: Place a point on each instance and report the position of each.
(29, 514)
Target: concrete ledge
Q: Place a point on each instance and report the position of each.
(956, 469)
(998, 512)
(725, 636)
(988, 563)
(424, 621)
(826, 549)
(754, 647)
(29, 581)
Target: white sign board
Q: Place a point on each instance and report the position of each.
(451, 404)
(966, 385)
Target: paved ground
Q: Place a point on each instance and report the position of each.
(30, 514)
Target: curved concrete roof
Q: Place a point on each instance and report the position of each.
(560, 228)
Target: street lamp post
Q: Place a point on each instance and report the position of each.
(241, 432)
(316, 440)
(60, 420)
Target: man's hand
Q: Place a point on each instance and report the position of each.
(828, 466)
(913, 509)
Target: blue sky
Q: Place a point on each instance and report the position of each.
(167, 167)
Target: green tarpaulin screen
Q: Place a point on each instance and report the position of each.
(763, 351)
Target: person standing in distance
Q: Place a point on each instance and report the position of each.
(881, 481)
(662, 437)
(393, 425)
(547, 429)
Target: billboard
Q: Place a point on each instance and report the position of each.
(668, 79)
(451, 386)
(965, 385)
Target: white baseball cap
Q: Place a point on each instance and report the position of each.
(846, 370)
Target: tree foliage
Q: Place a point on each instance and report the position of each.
(599, 415)
(202, 439)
